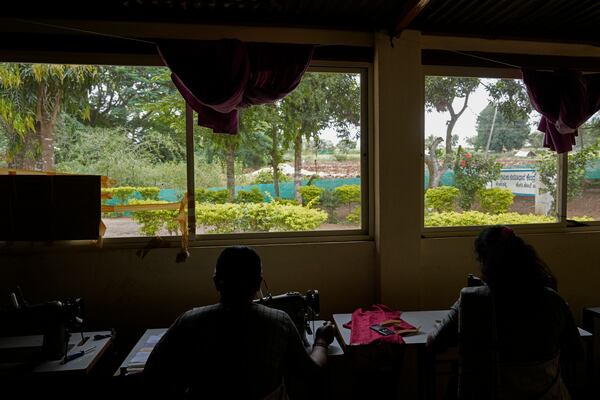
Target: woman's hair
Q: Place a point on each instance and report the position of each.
(508, 263)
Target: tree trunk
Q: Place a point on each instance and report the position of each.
(275, 160)
(230, 167)
(449, 130)
(297, 167)
(433, 165)
(46, 135)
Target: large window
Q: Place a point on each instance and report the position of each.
(484, 159)
(583, 190)
(296, 165)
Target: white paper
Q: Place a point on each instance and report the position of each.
(153, 339)
(140, 357)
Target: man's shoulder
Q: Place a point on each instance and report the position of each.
(271, 313)
(200, 312)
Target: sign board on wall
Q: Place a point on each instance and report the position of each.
(522, 182)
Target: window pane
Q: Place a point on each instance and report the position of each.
(583, 193)
(484, 160)
(125, 123)
(311, 139)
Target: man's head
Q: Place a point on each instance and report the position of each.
(238, 274)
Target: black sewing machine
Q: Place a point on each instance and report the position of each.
(53, 319)
(301, 308)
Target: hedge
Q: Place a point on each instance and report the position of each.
(257, 217)
(476, 218)
(151, 221)
(441, 198)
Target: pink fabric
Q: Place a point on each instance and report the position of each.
(364, 318)
(566, 99)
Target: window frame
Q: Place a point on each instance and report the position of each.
(561, 225)
(364, 233)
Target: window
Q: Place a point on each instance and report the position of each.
(484, 159)
(583, 186)
(296, 165)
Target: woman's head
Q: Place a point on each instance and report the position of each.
(507, 262)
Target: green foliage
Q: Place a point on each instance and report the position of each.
(124, 193)
(249, 196)
(472, 172)
(354, 216)
(212, 196)
(32, 97)
(476, 218)
(330, 202)
(266, 176)
(440, 91)
(257, 217)
(149, 192)
(348, 194)
(508, 134)
(441, 198)
(310, 194)
(577, 161)
(151, 221)
(495, 200)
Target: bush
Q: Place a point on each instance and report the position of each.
(152, 221)
(148, 192)
(212, 196)
(310, 194)
(348, 194)
(122, 194)
(472, 172)
(476, 218)
(257, 217)
(442, 198)
(330, 202)
(495, 200)
(354, 216)
(249, 196)
(266, 176)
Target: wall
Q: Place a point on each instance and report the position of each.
(122, 290)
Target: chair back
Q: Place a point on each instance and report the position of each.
(477, 346)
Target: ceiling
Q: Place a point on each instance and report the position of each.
(555, 20)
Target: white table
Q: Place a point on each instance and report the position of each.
(146, 343)
(30, 347)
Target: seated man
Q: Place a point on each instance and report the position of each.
(235, 348)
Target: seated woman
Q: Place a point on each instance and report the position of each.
(512, 332)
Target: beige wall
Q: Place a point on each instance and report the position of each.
(122, 290)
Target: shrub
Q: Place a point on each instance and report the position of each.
(472, 172)
(495, 200)
(212, 196)
(257, 217)
(310, 194)
(148, 192)
(249, 196)
(266, 176)
(330, 202)
(348, 194)
(476, 218)
(122, 194)
(354, 216)
(442, 198)
(151, 221)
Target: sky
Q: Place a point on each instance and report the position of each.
(435, 122)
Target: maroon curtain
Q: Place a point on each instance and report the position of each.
(566, 99)
(217, 78)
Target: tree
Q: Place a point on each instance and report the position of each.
(440, 95)
(506, 135)
(321, 100)
(32, 97)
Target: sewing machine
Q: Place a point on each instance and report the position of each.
(301, 308)
(53, 319)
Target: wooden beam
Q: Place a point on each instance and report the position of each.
(412, 9)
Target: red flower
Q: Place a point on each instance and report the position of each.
(467, 155)
(463, 163)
